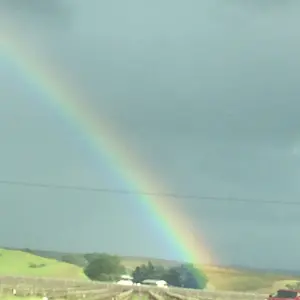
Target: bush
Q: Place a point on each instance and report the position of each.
(104, 268)
(36, 266)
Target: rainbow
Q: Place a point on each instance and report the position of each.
(102, 137)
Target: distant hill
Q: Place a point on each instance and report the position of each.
(129, 261)
(43, 253)
(237, 278)
(19, 263)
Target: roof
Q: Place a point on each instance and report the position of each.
(126, 277)
(153, 281)
(290, 290)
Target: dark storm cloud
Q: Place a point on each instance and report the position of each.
(35, 14)
(205, 91)
(35, 8)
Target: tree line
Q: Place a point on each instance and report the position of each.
(106, 267)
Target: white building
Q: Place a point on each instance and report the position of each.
(154, 282)
(125, 280)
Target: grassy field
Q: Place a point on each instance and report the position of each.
(226, 278)
(19, 263)
(19, 298)
(135, 297)
(32, 288)
(235, 280)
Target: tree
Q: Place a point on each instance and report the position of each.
(104, 268)
(28, 250)
(186, 276)
(192, 278)
(150, 268)
(148, 271)
(91, 256)
(159, 272)
(172, 277)
(140, 273)
(75, 259)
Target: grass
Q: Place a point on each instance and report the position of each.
(18, 263)
(228, 279)
(237, 280)
(135, 297)
(19, 298)
(138, 297)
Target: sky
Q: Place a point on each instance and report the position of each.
(205, 92)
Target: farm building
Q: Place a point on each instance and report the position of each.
(153, 282)
(125, 280)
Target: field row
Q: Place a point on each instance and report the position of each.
(75, 290)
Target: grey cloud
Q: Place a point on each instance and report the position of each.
(206, 93)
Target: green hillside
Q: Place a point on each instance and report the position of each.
(39, 263)
(225, 278)
(18, 263)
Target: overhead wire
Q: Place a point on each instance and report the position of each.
(29, 184)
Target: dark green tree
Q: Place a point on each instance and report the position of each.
(148, 271)
(150, 268)
(104, 268)
(159, 272)
(186, 276)
(91, 256)
(75, 259)
(173, 277)
(28, 250)
(193, 278)
(140, 273)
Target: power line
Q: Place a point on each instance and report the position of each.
(143, 193)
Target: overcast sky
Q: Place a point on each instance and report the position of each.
(205, 91)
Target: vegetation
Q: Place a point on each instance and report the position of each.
(19, 298)
(64, 289)
(75, 259)
(33, 289)
(19, 263)
(104, 267)
(79, 266)
(184, 275)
